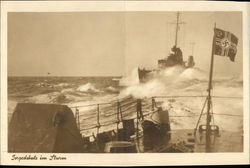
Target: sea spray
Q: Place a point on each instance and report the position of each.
(131, 79)
(184, 111)
(88, 87)
(166, 82)
(189, 82)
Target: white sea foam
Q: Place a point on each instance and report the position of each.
(144, 90)
(176, 81)
(62, 85)
(43, 98)
(172, 71)
(173, 81)
(68, 90)
(131, 79)
(111, 89)
(193, 73)
(88, 87)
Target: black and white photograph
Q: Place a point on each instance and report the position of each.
(125, 82)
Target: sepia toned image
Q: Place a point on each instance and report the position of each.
(125, 82)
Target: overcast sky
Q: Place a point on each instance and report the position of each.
(113, 43)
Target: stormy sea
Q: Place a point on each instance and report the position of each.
(180, 91)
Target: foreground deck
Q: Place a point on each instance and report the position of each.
(224, 142)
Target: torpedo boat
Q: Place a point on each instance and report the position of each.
(174, 59)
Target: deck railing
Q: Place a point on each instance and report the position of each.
(130, 108)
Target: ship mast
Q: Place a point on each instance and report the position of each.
(177, 27)
(178, 23)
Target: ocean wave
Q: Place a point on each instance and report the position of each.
(62, 85)
(43, 98)
(173, 81)
(180, 81)
(89, 88)
(172, 71)
(73, 92)
(111, 89)
(44, 84)
(54, 97)
(193, 74)
(50, 85)
(116, 79)
(68, 90)
(149, 89)
(131, 79)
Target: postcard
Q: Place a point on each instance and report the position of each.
(124, 83)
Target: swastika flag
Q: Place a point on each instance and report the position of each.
(225, 43)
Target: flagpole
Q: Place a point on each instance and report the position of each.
(209, 100)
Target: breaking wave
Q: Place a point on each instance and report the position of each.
(62, 85)
(131, 79)
(88, 88)
(172, 81)
(180, 81)
(111, 89)
(193, 74)
(176, 81)
(49, 85)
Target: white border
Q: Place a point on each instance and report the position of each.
(127, 159)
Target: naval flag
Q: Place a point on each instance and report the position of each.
(225, 43)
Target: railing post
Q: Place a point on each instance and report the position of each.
(118, 119)
(98, 118)
(139, 109)
(77, 118)
(153, 104)
(98, 126)
(139, 116)
(137, 124)
(120, 110)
